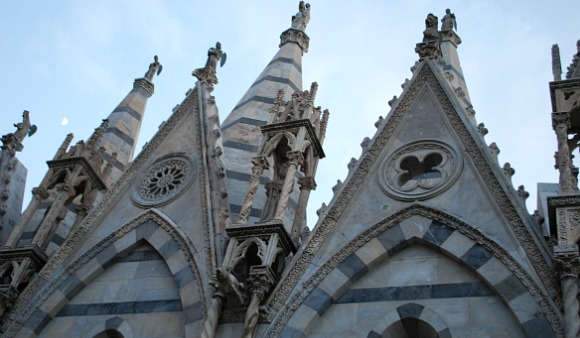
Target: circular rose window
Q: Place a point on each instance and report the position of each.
(163, 181)
(420, 170)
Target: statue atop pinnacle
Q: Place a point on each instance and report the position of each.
(301, 19)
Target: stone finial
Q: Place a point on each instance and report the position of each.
(494, 150)
(392, 101)
(365, 143)
(323, 125)
(482, 129)
(538, 218)
(572, 69)
(508, 171)
(94, 140)
(207, 74)
(556, 63)
(379, 122)
(337, 186)
(448, 22)
(429, 48)
(321, 210)
(301, 19)
(154, 67)
(523, 193)
(352, 164)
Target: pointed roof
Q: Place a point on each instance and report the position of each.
(120, 137)
(241, 128)
(427, 153)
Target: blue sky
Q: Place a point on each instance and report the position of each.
(78, 59)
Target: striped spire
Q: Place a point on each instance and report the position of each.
(125, 122)
(241, 129)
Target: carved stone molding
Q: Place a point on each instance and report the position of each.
(295, 36)
(145, 84)
(286, 311)
(567, 260)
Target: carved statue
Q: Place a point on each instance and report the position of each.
(228, 283)
(273, 191)
(431, 34)
(301, 19)
(153, 68)
(430, 46)
(448, 22)
(208, 73)
(24, 128)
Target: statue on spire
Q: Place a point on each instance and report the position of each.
(154, 67)
(430, 47)
(448, 22)
(301, 19)
(207, 74)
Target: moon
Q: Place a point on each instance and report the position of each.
(64, 121)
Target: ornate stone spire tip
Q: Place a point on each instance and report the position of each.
(295, 33)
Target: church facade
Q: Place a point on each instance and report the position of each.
(204, 234)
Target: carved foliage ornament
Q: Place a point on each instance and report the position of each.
(420, 170)
(163, 181)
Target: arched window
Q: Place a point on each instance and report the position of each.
(109, 334)
(408, 327)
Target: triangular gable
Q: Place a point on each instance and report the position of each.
(428, 85)
(184, 136)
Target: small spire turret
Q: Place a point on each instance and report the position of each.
(556, 63)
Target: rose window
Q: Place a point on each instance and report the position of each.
(163, 181)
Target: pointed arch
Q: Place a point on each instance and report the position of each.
(152, 227)
(272, 143)
(115, 324)
(478, 253)
(411, 311)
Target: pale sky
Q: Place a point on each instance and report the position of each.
(78, 59)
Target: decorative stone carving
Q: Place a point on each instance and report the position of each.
(207, 74)
(561, 124)
(163, 181)
(508, 171)
(301, 19)
(13, 141)
(379, 122)
(567, 264)
(154, 67)
(392, 101)
(448, 22)
(365, 144)
(494, 150)
(522, 193)
(420, 170)
(429, 48)
(482, 129)
(572, 69)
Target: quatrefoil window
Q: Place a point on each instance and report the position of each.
(419, 170)
(423, 173)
